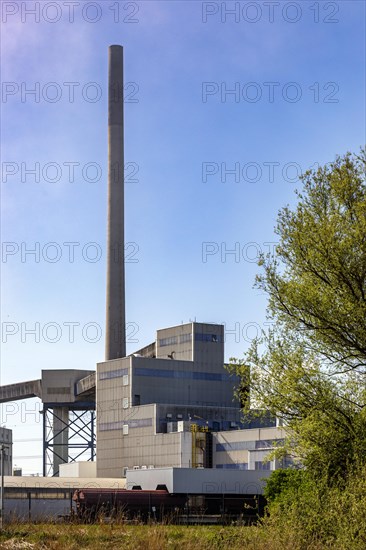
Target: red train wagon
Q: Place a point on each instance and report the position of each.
(91, 503)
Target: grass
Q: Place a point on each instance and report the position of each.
(145, 537)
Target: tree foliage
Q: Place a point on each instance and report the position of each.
(282, 481)
(305, 513)
(317, 281)
(310, 368)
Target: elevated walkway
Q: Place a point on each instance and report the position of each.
(21, 390)
(68, 397)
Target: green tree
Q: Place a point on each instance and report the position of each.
(281, 481)
(310, 368)
(317, 281)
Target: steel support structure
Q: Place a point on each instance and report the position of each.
(68, 435)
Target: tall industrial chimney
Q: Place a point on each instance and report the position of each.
(115, 344)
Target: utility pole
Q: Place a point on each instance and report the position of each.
(2, 448)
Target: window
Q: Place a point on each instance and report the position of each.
(268, 443)
(140, 423)
(137, 400)
(235, 446)
(62, 390)
(125, 429)
(236, 466)
(112, 374)
(259, 465)
(125, 403)
(183, 338)
(187, 375)
(125, 380)
(171, 341)
(200, 337)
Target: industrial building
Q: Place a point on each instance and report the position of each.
(166, 414)
(172, 404)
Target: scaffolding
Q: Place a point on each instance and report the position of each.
(68, 435)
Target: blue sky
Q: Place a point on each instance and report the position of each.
(175, 134)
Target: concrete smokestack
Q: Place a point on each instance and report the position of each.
(115, 345)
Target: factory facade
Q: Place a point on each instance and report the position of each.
(172, 404)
